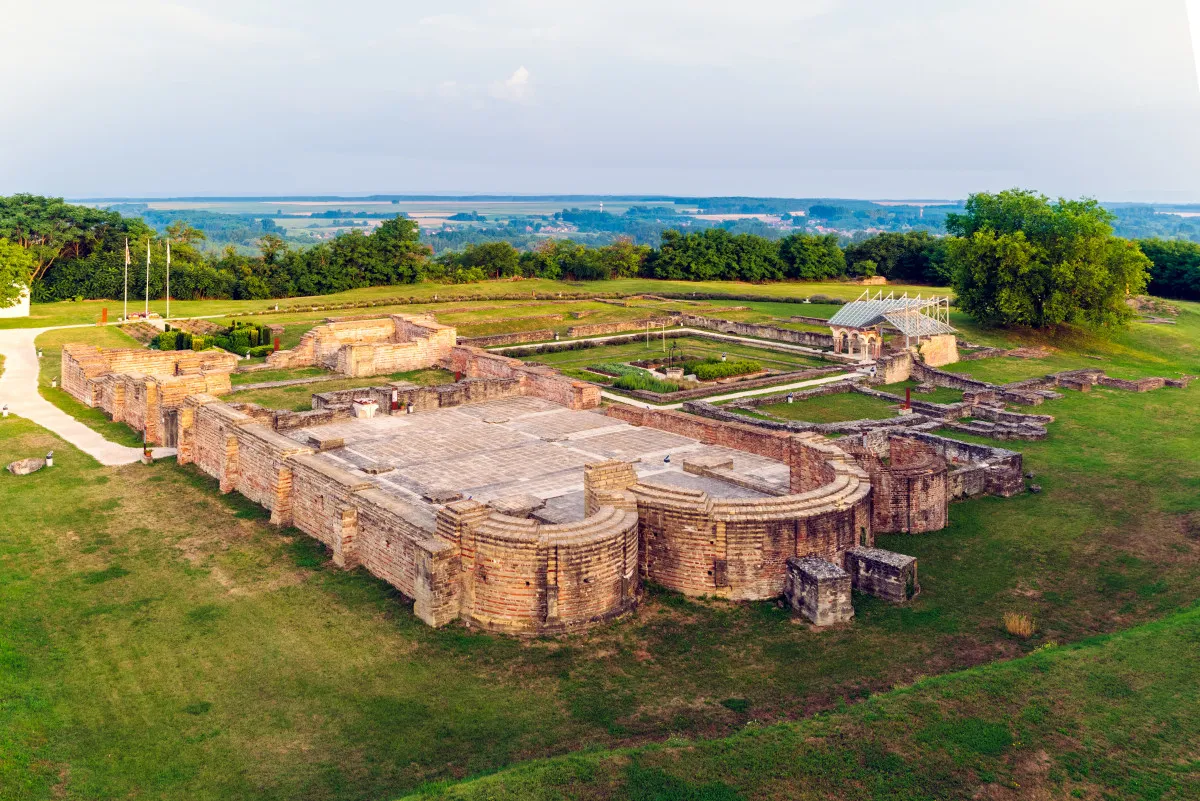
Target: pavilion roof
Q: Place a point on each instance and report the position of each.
(910, 315)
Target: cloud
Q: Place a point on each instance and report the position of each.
(516, 89)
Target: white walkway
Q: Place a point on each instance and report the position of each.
(19, 390)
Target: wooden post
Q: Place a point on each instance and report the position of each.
(276, 343)
(908, 397)
(103, 315)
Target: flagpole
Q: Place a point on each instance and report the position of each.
(168, 278)
(125, 317)
(147, 278)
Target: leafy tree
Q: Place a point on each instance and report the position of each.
(910, 256)
(272, 247)
(812, 256)
(1174, 268)
(183, 233)
(16, 270)
(1019, 259)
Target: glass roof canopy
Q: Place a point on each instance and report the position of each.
(914, 317)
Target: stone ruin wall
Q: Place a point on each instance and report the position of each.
(465, 560)
(738, 547)
(362, 348)
(139, 387)
(537, 380)
(938, 350)
(909, 483)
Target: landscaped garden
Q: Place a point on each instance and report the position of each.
(833, 408)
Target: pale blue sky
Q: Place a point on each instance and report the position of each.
(864, 98)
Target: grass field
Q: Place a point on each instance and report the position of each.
(158, 640)
(693, 346)
(1114, 717)
(69, 312)
(298, 398)
(145, 616)
(939, 394)
(833, 408)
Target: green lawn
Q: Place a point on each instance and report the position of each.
(298, 398)
(694, 346)
(1115, 717)
(283, 374)
(939, 395)
(833, 408)
(69, 312)
(143, 615)
(51, 344)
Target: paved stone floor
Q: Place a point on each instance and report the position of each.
(522, 446)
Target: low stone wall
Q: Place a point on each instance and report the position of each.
(536, 380)
(515, 338)
(733, 385)
(810, 339)
(941, 378)
(602, 329)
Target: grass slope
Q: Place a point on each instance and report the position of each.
(1114, 717)
(158, 640)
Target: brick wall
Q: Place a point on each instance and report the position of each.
(537, 381)
(909, 490)
(521, 576)
(939, 350)
(136, 386)
(359, 348)
(739, 436)
(602, 329)
(515, 338)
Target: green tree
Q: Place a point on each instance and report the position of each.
(1175, 268)
(1019, 259)
(272, 247)
(16, 271)
(812, 256)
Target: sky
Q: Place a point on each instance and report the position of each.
(798, 98)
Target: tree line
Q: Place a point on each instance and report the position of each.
(1013, 258)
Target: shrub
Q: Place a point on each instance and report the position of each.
(1018, 625)
(642, 380)
(709, 371)
(615, 368)
(261, 350)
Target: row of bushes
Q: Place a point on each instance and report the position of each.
(615, 368)
(643, 380)
(711, 369)
(179, 340)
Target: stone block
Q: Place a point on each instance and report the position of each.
(23, 467)
(517, 505)
(884, 574)
(818, 590)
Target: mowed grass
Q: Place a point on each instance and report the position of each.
(939, 394)
(89, 311)
(694, 346)
(142, 615)
(298, 398)
(50, 368)
(833, 408)
(1115, 717)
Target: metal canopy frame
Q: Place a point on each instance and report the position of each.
(915, 316)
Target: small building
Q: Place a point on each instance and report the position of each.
(18, 309)
(858, 326)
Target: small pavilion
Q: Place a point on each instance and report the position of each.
(858, 326)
